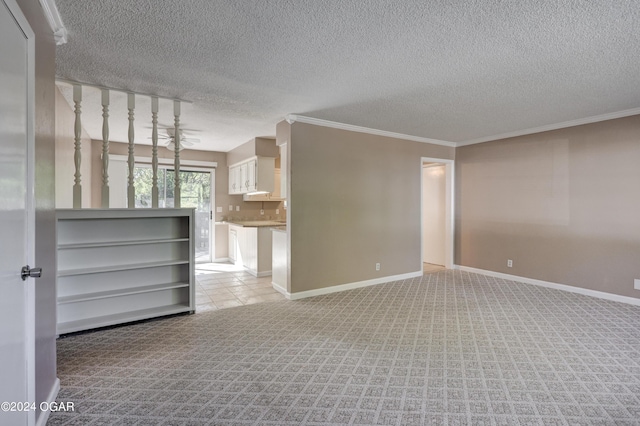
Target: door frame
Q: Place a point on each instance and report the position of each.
(30, 317)
(449, 173)
(187, 166)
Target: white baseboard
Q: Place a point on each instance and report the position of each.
(257, 274)
(348, 286)
(221, 260)
(563, 287)
(53, 394)
(279, 289)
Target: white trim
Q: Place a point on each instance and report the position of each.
(30, 297)
(221, 260)
(257, 274)
(348, 286)
(53, 394)
(556, 286)
(281, 290)
(165, 161)
(449, 246)
(556, 126)
(31, 207)
(55, 21)
(292, 118)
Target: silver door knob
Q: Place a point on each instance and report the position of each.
(30, 272)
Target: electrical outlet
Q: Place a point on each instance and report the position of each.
(377, 266)
(218, 209)
(230, 208)
(277, 211)
(636, 284)
(262, 211)
(237, 208)
(509, 263)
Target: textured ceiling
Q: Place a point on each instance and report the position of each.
(455, 70)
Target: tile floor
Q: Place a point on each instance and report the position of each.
(428, 268)
(223, 285)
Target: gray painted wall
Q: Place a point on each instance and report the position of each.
(562, 204)
(354, 201)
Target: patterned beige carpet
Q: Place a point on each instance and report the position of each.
(447, 348)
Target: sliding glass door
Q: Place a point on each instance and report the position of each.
(195, 191)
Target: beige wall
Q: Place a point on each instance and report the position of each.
(261, 147)
(45, 244)
(65, 166)
(354, 201)
(563, 205)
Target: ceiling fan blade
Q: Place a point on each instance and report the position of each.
(161, 137)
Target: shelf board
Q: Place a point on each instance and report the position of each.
(120, 292)
(103, 321)
(119, 243)
(114, 268)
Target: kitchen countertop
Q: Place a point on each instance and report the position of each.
(256, 223)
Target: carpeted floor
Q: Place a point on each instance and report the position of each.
(447, 348)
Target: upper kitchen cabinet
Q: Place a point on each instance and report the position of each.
(255, 174)
(234, 180)
(272, 196)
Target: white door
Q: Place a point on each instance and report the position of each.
(16, 215)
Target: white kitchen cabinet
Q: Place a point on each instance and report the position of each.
(122, 265)
(272, 196)
(251, 246)
(235, 180)
(233, 243)
(249, 173)
(253, 175)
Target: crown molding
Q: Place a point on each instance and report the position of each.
(556, 126)
(55, 21)
(292, 118)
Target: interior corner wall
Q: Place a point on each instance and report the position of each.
(45, 238)
(354, 201)
(563, 205)
(65, 165)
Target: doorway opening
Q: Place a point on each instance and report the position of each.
(436, 208)
(196, 191)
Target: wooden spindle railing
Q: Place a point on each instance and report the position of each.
(154, 152)
(131, 190)
(105, 148)
(106, 103)
(77, 153)
(176, 143)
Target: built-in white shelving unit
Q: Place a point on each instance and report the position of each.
(122, 265)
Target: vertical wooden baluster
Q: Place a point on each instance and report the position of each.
(131, 190)
(154, 152)
(77, 156)
(105, 148)
(176, 143)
